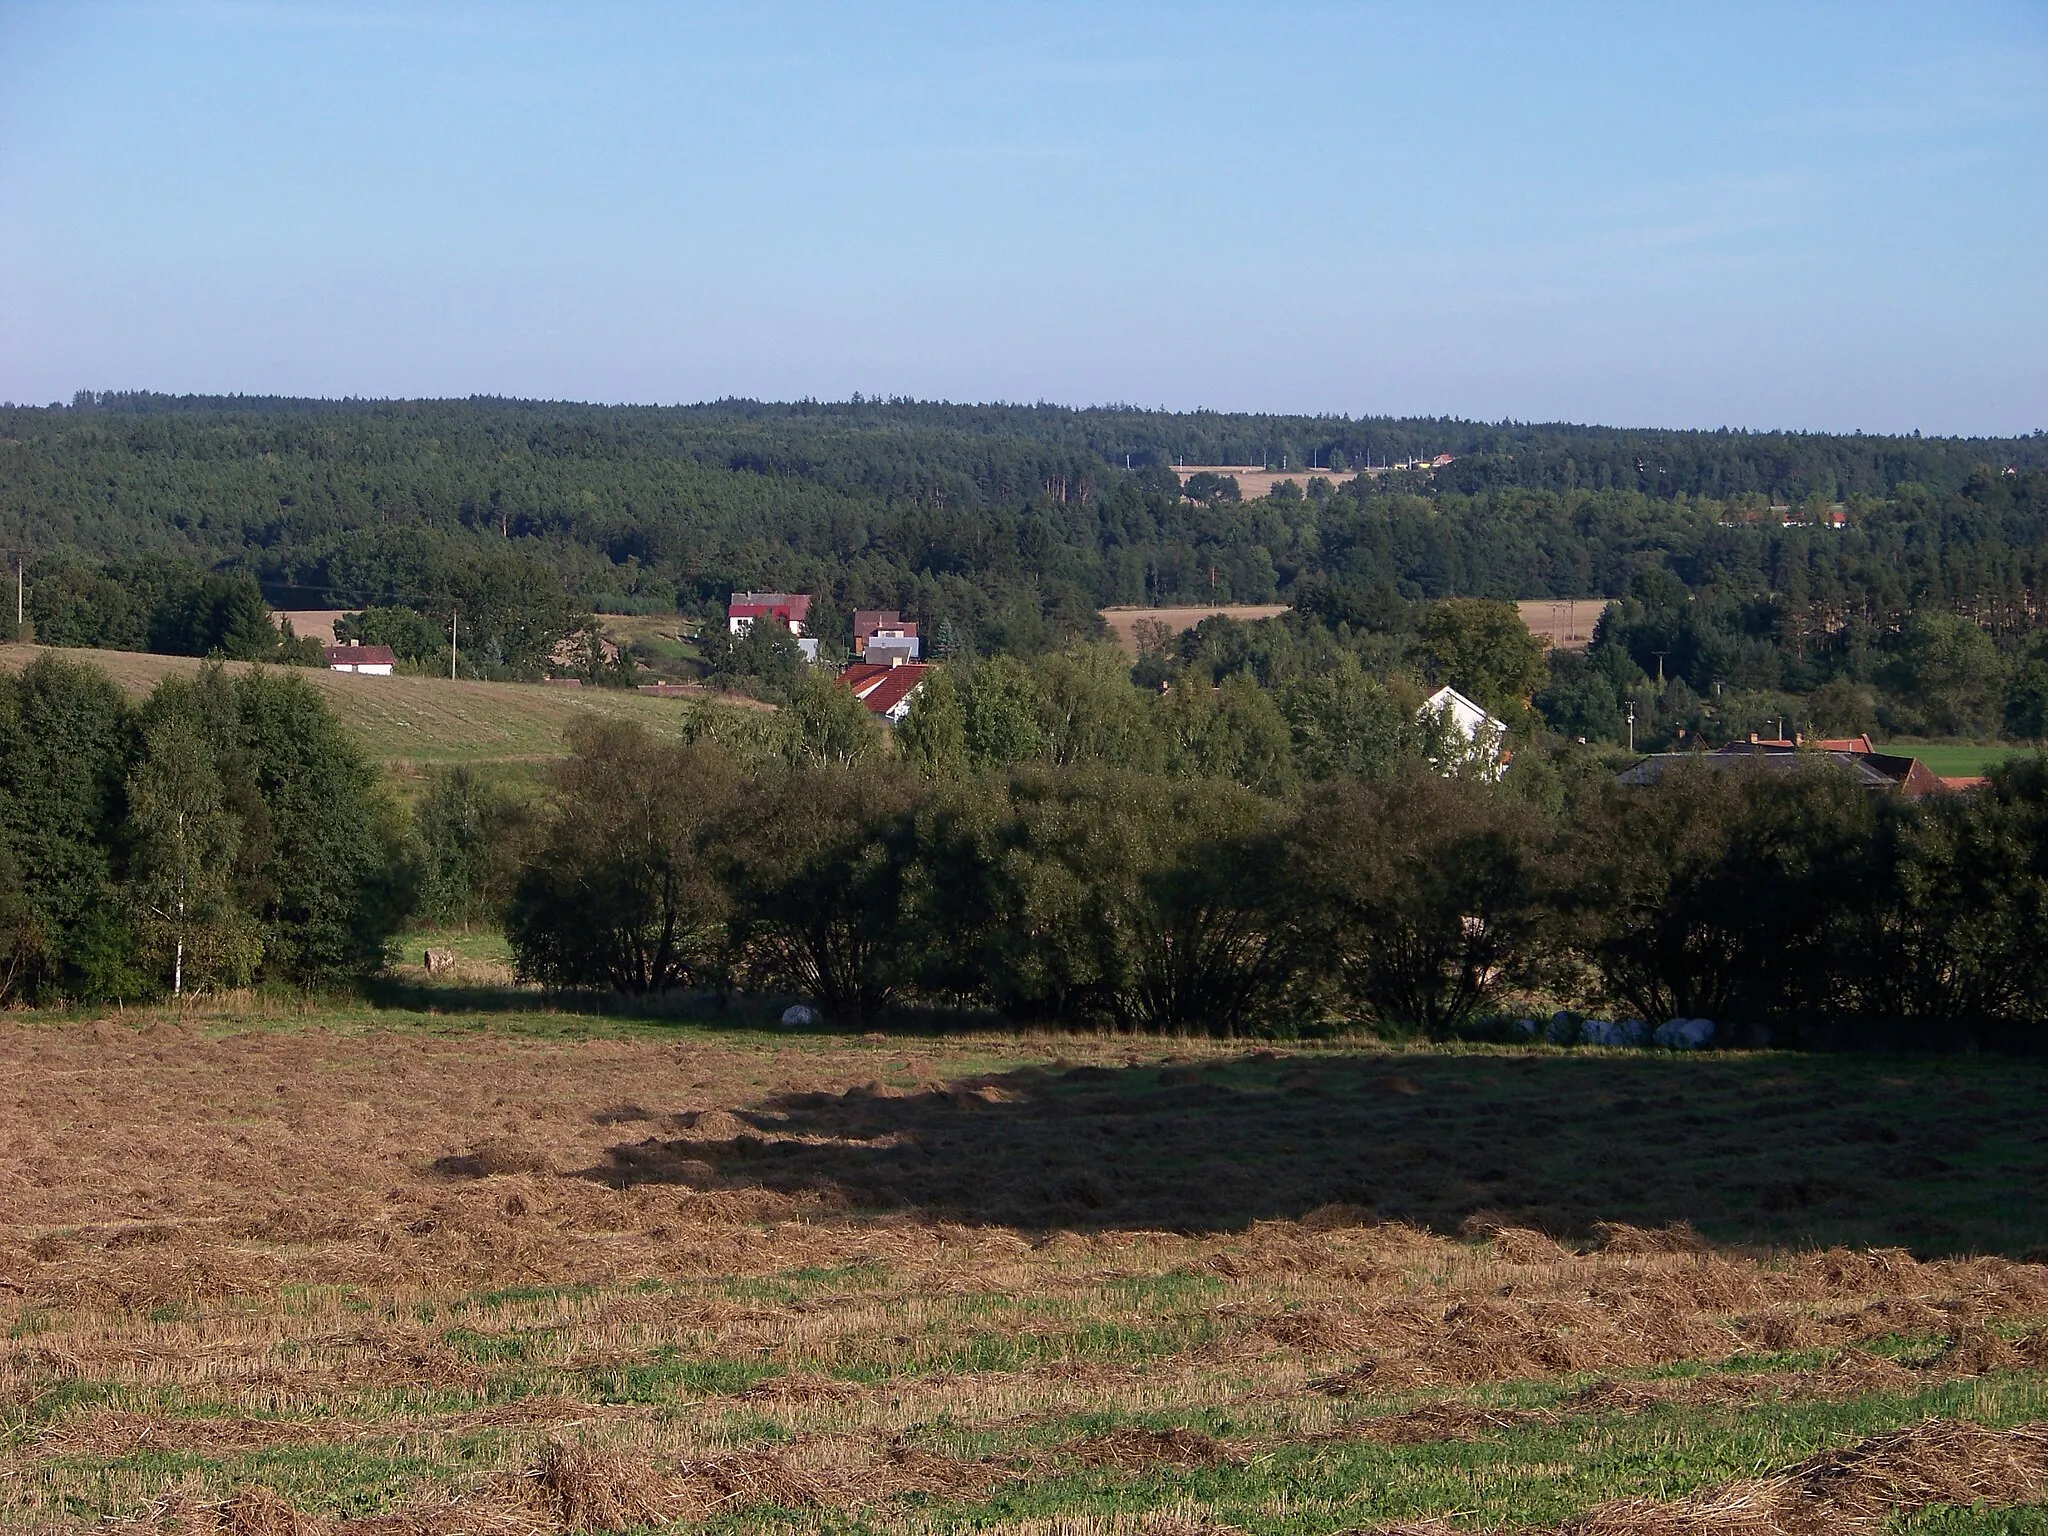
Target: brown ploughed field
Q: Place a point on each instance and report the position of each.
(267, 1268)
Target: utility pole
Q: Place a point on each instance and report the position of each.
(454, 623)
(19, 588)
(1631, 725)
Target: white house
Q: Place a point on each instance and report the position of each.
(377, 660)
(1470, 736)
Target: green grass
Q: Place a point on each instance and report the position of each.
(1957, 760)
(420, 721)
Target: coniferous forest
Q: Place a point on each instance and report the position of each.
(1843, 582)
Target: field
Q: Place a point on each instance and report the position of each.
(1958, 762)
(1123, 622)
(270, 1267)
(417, 721)
(1564, 624)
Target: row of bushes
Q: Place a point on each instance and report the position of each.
(1412, 903)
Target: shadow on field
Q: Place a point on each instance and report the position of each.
(1937, 1155)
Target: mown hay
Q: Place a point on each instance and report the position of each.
(1942, 1461)
(1132, 1450)
(596, 1490)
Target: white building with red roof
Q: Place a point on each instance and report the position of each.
(789, 609)
(378, 660)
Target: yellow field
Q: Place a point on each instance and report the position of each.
(1123, 622)
(420, 720)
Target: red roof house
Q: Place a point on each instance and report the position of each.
(375, 659)
(886, 691)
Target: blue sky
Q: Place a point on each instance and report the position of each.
(1819, 216)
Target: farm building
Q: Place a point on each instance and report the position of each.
(1884, 773)
(885, 690)
(378, 660)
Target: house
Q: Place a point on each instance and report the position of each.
(884, 635)
(377, 660)
(885, 690)
(1884, 773)
(789, 609)
(1470, 734)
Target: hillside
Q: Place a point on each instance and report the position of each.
(415, 721)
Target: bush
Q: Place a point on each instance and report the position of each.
(621, 891)
(1420, 900)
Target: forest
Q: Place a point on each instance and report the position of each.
(1846, 582)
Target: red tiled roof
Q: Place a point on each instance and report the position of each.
(881, 689)
(360, 656)
(753, 605)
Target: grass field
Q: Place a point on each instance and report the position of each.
(270, 1267)
(1958, 762)
(419, 720)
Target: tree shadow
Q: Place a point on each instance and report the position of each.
(1938, 1155)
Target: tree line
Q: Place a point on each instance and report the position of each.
(225, 832)
(222, 833)
(1413, 902)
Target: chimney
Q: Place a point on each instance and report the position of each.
(1752, 738)
(1799, 738)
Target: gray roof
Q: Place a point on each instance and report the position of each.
(1872, 770)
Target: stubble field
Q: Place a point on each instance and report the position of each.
(268, 1270)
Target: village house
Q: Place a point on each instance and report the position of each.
(883, 635)
(1470, 735)
(377, 660)
(789, 609)
(886, 690)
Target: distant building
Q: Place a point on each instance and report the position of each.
(1471, 736)
(1886, 773)
(789, 609)
(885, 690)
(883, 635)
(377, 660)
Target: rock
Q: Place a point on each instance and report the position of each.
(799, 1016)
(439, 960)
(1612, 1032)
(1684, 1034)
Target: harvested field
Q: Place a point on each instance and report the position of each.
(1562, 624)
(1123, 622)
(421, 720)
(265, 1268)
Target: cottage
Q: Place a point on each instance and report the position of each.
(792, 610)
(885, 690)
(377, 660)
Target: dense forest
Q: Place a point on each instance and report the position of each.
(1844, 580)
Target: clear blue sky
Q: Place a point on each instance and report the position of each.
(1808, 215)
